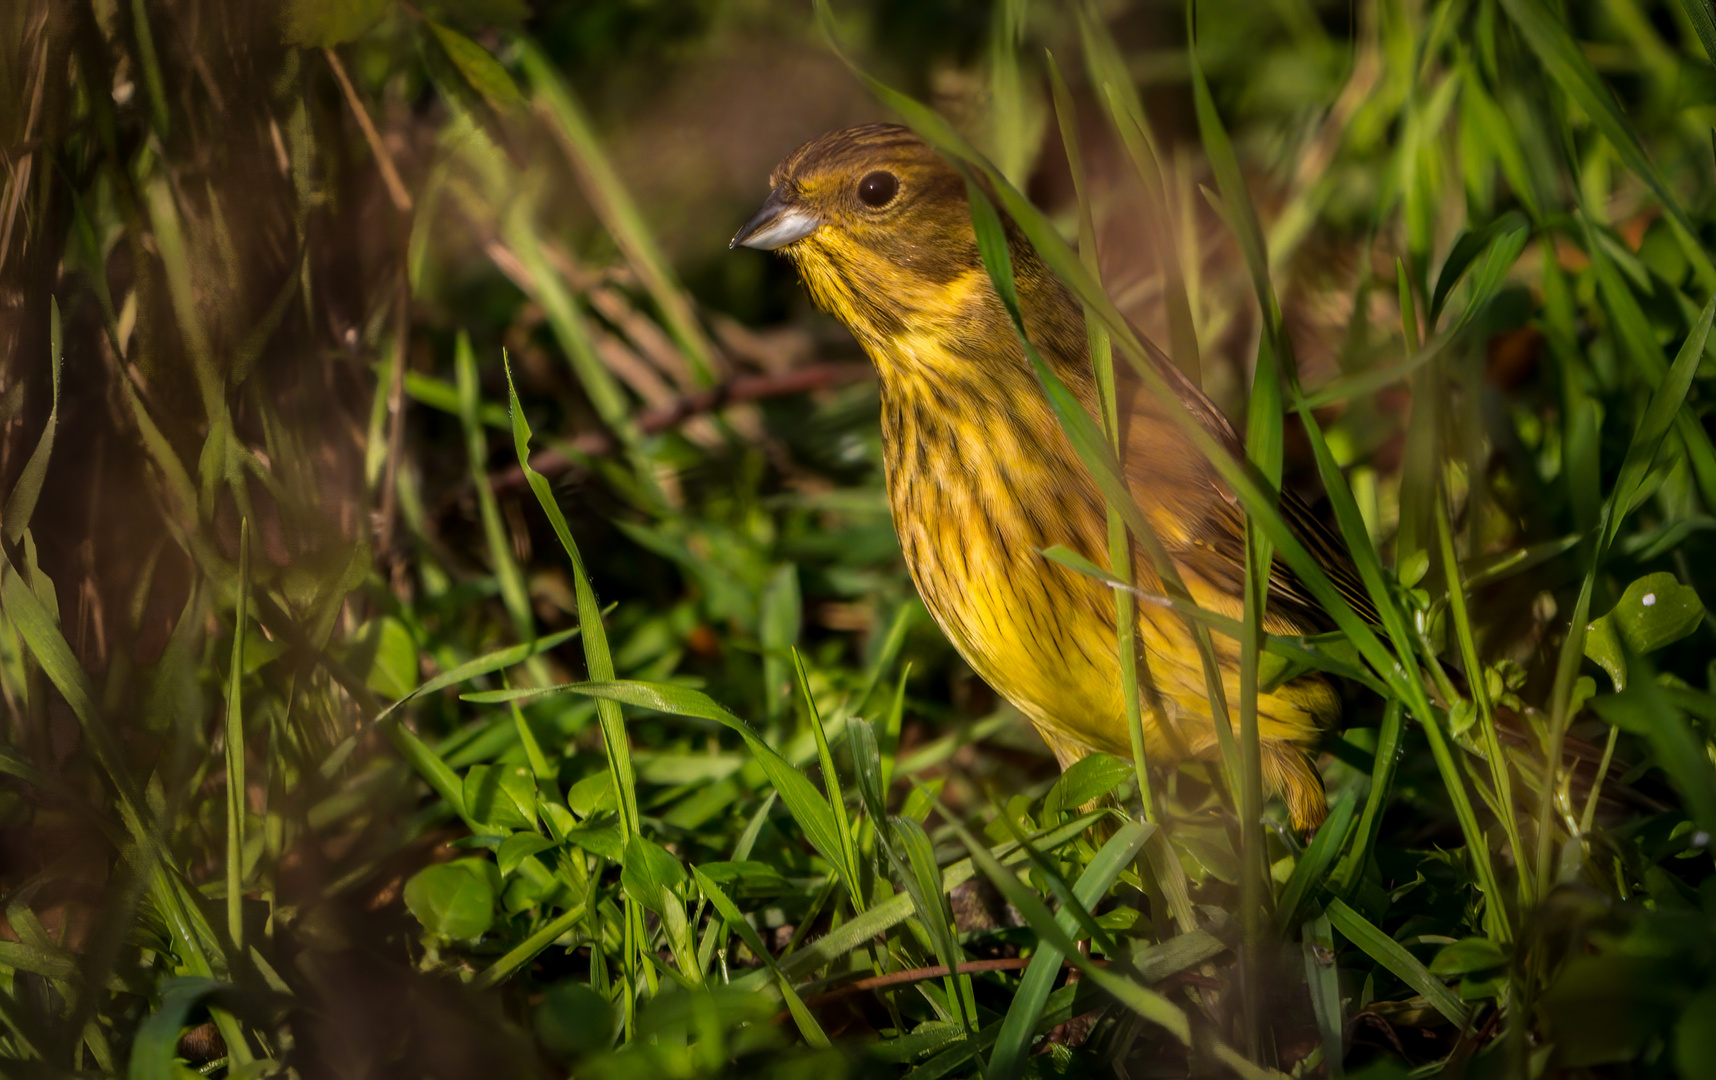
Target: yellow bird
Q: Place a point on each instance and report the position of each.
(981, 478)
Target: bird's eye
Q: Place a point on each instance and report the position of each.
(878, 189)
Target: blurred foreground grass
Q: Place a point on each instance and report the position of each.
(450, 622)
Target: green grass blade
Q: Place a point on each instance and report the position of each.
(1393, 956)
(1007, 1061)
(1140, 999)
(514, 594)
(1318, 942)
(1313, 865)
(846, 849)
(597, 658)
(615, 206)
(1119, 542)
(1381, 780)
(1550, 38)
(234, 740)
(21, 503)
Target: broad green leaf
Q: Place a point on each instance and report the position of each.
(454, 901)
(324, 23)
(1089, 778)
(1655, 611)
(647, 870)
(518, 847)
(1467, 956)
(393, 673)
(501, 798)
(481, 70)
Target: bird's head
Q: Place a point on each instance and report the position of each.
(877, 224)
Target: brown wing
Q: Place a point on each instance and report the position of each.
(1197, 515)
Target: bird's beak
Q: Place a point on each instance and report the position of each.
(776, 225)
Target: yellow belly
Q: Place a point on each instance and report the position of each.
(1044, 636)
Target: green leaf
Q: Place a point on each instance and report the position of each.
(777, 631)
(324, 23)
(1655, 611)
(604, 836)
(1311, 871)
(806, 804)
(592, 795)
(501, 797)
(454, 901)
(518, 847)
(735, 920)
(481, 70)
(1142, 1000)
(1318, 944)
(649, 869)
(393, 673)
(1013, 1044)
(1393, 956)
(1467, 956)
(1090, 777)
(1552, 40)
(597, 658)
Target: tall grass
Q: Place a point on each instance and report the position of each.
(346, 733)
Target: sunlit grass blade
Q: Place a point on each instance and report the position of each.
(847, 850)
(596, 655)
(619, 212)
(1014, 1042)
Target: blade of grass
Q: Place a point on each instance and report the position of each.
(1381, 780)
(1007, 1061)
(1313, 865)
(514, 594)
(614, 205)
(845, 854)
(234, 740)
(597, 658)
(1549, 37)
(1318, 942)
(1119, 544)
(1393, 956)
(21, 503)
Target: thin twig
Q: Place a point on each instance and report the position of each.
(383, 161)
(940, 971)
(923, 974)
